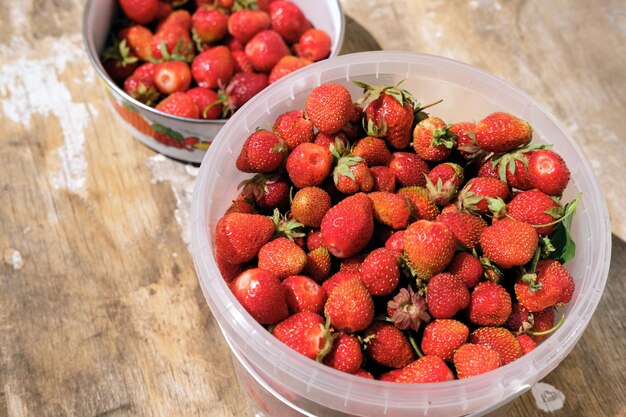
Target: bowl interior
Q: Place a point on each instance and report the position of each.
(469, 94)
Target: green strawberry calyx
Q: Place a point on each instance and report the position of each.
(507, 160)
(443, 137)
(285, 227)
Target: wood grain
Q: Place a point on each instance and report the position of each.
(105, 318)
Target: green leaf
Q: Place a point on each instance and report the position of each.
(564, 246)
(555, 212)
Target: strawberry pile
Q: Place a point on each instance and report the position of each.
(386, 243)
(205, 58)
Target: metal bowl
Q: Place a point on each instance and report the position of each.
(178, 137)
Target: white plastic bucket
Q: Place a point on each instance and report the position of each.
(469, 94)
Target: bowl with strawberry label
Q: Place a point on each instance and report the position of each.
(393, 233)
(175, 71)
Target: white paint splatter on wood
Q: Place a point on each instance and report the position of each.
(181, 178)
(31, 86)
(14, 258)
(547, 397)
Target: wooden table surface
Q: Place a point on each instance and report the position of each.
(100, 310)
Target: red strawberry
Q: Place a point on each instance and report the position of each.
(207, 102)
(499, 339)
(490, 304)
(536, 208)
(409, 169)
(520, 319)
(394, 242)
(242, 87)
(446, 295)
(262, 295)
(172, 42)
(422, 206)
(552, 286)
(429, 247)
(471, 360)
(261, 152)
(384, 179)
(293, 128)
(180, 19)
(372, 150)
(543, 322)
(338, 140)
(548, 172)
(229, 271)
(501, 132)
(213, 68)
(314, 239)
(443, 182)
(526, 343)
(164, 10)
(346, 354)
(139, 39)
(309, 164)
(387, 346)
(140, 11)
(407, 309)
(363, 374)
(239, 236)
(432, 139)
(511, 168)
(466, 140)
(288, 20)
(342, 276)
(314, 44)
(240, 205)
(317, 264)
(119, 61)
(350, 307)
(352, 264)
(309, 206)
(380, 272)
(467, 268)
(466, 227)
(241, 62)
(244, 24)
(265, 49)
(140, 85)
(329, 107)
(267, 192)
(426, 369)
(475, 195)
(348, 226)
(443, 337)
(390, 376)
(172, 76)
(390, 209)
(305, 333)
(209, 25)
(304, 294)
(286, 65)
(509, 242)
(282, 257)
(179, 104)
(351, 174)
(389, 115)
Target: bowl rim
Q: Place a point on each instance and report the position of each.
(538, 363)
(97, 64)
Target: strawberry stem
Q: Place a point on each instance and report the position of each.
(414, 346)
(545, 332)
(569, 210)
